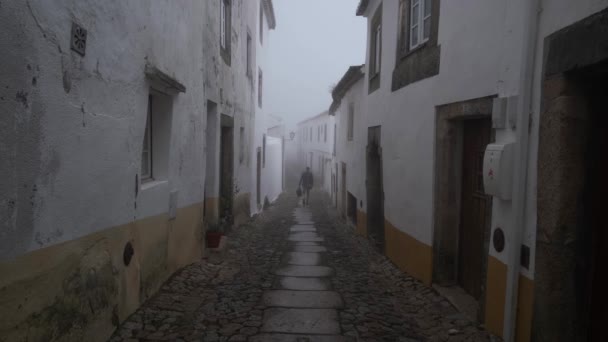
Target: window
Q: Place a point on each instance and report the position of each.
(335, 137)
(261, 24)
(157, 138)
(146, 152)
(420, 22)
(351, 122)
(225, 29)
(325, 133)
(318, 133)
(249, 56)
(375, 51)
(260, 80)
(242, 145)
(418, 55)
(264, 150)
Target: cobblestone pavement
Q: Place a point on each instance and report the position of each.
(246, 293)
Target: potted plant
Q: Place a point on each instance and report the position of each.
(214, 235)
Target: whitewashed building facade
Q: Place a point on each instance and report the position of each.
(127, 129)
(315, 137)
(450, 86)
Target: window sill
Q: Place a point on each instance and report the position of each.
(410, 52)
(151, 183)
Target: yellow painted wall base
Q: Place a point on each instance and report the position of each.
(525, 307)
(212, 210)
(495, 301)
(409, 254)
(361, 228)
(80, 290)
(495, 295)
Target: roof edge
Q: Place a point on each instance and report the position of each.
(326, 112)
(270, 16)
(362, 7)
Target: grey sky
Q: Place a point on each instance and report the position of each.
(312, 47)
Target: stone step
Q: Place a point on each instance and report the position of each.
(305, 238)
(309, 249)
(301, 321)
(304, 284)
(298, 228)
(305, 271)
(303, 235)
(303, 259)
(303, 299)
(304, 222)
(299, 338)
(306, 243)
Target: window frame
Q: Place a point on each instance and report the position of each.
(375, 51)
(421, 18)
(416, 62)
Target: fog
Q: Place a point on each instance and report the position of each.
(312, 47)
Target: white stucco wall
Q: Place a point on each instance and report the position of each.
(318, 146)
(352, 153)
(481, 55)
(272, 173)
(261, 117)
(75, 142)
(74, 135)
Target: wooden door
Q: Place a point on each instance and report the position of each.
(476, 206)
(375, 190)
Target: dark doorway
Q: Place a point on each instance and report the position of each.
(336, 187)
(570, 298)
(476, 207)
(226, 169)
(351, 208)
(211, 213)
(375, 191)
(258, 181)
(596, 188)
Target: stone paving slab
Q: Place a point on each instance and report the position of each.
(301, 321)
(303, 229)
(305, 284)
(307, 243)
(299, 338)
(303, 259)
(305, 222)
(303, 299)
(303, 235)
(309, 249)
(306, 238)
(304, 271)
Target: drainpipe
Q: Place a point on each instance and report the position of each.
(524, 109)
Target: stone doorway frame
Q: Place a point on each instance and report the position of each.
(447, 189)
(559, 307)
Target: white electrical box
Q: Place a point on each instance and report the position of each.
(498, 170)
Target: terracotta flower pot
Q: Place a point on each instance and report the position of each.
(213, 239)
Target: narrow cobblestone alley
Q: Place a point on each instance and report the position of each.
(296, 274)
